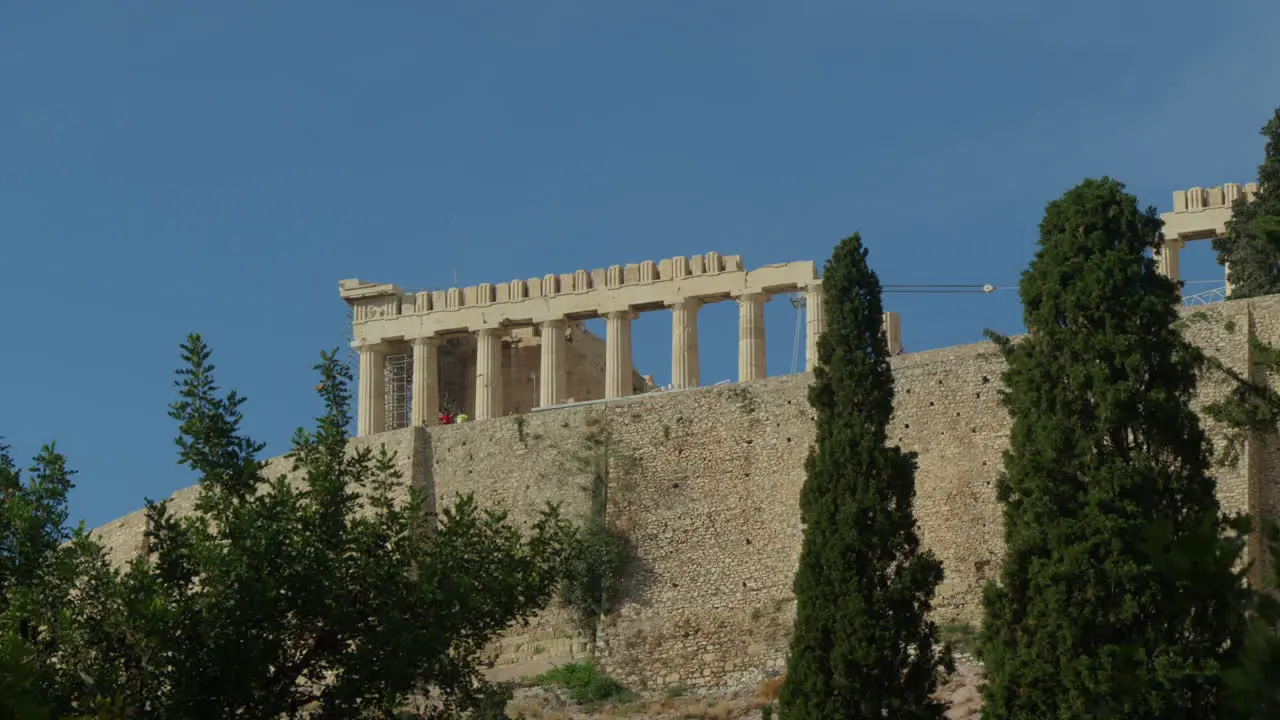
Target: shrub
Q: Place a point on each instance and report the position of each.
(586, 683)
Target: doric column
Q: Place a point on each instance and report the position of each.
(684, 343)
(426, 381)
(1167, 258)
(751, 355)
(815, 316)
(371, 411)
(488, 373)
(617, 358)
(551, 374)
(893, 332)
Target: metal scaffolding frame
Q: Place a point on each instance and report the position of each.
(1207, 297)
(399, 400)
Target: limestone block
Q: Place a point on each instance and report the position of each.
(648, 272)
(422, 302)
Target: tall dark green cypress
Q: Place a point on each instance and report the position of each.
(1252, 242)
(1118, 597)
(863, 646)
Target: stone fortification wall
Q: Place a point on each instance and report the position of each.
(705, 482)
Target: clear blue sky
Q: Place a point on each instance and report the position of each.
(168, 167)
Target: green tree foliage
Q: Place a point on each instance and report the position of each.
(333, 593)
(862, 647)
(1252, 243)
(33, 517)
(35, 570)
(1253, 686)
(1118, 597)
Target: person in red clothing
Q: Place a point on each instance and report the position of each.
(446, 418)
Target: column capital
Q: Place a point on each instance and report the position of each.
(814, 285)
(683, 302)
(622, 313)
(550, 321)
(750, 296)
(432, 339)
(490, 331)
(365, 345)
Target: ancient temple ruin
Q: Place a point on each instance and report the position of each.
(485, 349)
(1199, 214)
(491, 350)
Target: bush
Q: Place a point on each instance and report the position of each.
(586, 683)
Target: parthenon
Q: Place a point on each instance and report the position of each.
(428, 336)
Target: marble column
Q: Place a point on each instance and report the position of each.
(684, 343)
(488, 373)
(751, 351)
(371, 410)
(1167, 258)
(815, 316)
(551, 376)
(617, 359)
(426, 381)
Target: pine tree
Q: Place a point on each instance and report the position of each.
(1252, 243)
(1118, 596)
(863, 646)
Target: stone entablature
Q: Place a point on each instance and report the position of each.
(1198, 214)
(385, 311)
(384, 315)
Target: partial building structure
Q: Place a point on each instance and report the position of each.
(1199, 214)
(467, 348)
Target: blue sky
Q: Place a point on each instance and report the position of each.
(168, 167)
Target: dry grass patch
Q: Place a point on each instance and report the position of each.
(769, 688)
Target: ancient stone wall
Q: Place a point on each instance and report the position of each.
(706, 483)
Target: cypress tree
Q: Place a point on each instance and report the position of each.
(1252, 242)
(1118, 597)
(862, 646)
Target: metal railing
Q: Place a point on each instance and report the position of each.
(1216, 295)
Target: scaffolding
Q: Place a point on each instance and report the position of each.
(399, 401)
(1207, 297)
